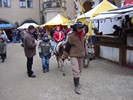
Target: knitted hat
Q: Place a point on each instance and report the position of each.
(45, 38)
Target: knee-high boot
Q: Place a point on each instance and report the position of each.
(76, 85)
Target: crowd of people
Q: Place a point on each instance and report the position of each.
(74, 48)
(73, 38)
(31, 38)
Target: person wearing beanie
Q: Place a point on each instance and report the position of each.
(44, 49)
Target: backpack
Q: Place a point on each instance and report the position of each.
(45, 48)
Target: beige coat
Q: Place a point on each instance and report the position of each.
(29, 45)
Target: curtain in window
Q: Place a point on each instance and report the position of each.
(7, 3)
(22, 3)
(29, 3)
(0, 3)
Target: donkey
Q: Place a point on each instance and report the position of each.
(58, 51)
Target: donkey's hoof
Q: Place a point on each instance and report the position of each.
(85, 66)
(63, 74)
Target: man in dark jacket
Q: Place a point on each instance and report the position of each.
(30, 49)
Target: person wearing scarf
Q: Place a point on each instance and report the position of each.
(76, 51)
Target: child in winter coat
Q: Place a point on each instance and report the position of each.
(44, 49)
(2, 49)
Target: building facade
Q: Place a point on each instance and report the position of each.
(37, 11)
(52, 7)
(41, 11)
(20, 11)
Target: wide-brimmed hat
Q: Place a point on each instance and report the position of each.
(79, 25)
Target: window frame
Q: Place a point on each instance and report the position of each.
(29, 3)
(1, 3)
(8, 3)
(22, 3)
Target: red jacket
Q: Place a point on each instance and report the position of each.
(58, 36)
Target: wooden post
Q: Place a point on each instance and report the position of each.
(122, 56)
(97, 50)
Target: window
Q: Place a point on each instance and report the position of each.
(0, 3)
(30, 3)
(22, 3)
(7, 3)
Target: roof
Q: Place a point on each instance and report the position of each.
(57, 20)
(26, 25)
(120, 10)
(114, 13)
(103, 6)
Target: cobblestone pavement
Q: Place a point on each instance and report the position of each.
(102, 80)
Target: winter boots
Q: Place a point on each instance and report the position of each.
(45, 69)
(76, 85)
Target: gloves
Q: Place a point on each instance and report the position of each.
(40, 55)
(49, 56)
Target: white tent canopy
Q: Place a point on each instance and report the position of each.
(119, 11)
(26, 25)
(104, 16)
(110, 15)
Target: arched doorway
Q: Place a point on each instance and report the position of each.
(29, 21)
(6, 26)
(3, 22)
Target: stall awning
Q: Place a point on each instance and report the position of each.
(6, 26)
(57, 20)
(26, 25)
(104, 16)
(110, 15)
